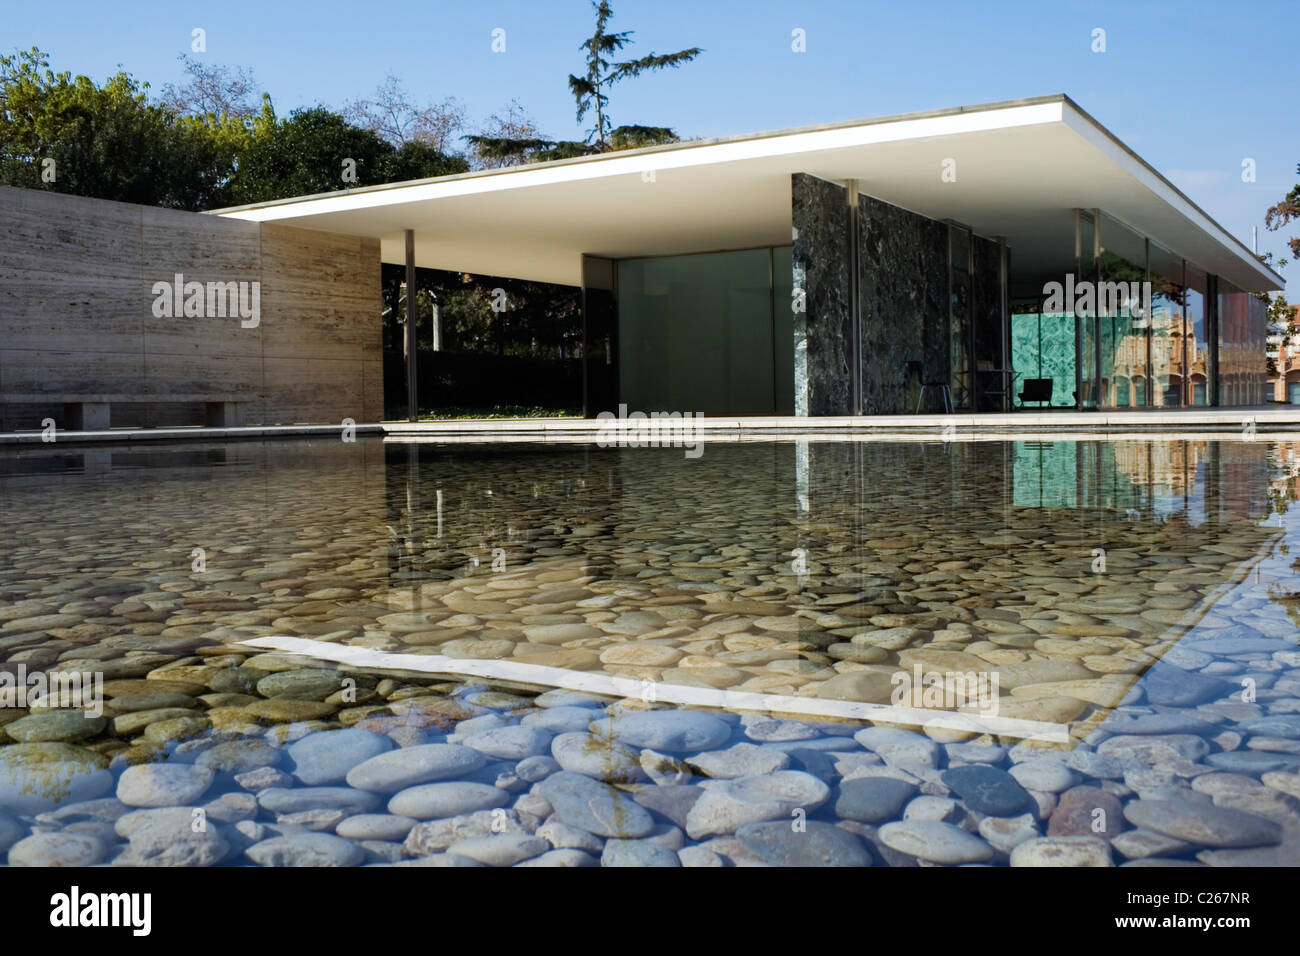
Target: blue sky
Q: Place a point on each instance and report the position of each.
(1192, 87)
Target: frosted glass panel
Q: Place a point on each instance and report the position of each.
(696, 333)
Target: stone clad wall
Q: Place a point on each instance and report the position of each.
(903, 290)
(77, 320)
(823, 342)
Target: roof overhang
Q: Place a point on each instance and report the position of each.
(1021, 168)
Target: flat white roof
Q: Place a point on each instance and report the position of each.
(1021, 168)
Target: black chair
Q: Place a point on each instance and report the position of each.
(918, 368)
(1037, 390)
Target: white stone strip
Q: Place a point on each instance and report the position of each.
(606, 685)
(1181, 420)
(791, 435)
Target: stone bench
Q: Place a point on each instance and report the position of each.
(85, 413)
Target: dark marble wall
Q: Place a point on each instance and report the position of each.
(823, 342)
(903, 291)
(903, 294)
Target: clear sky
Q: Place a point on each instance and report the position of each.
(1193, 87)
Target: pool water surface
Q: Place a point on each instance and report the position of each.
(778, 653)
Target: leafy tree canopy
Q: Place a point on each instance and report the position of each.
(201, 146)
(107, 141)
(1283, 213)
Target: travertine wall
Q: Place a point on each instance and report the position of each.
(77, 320)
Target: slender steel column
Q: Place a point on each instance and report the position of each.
(412, 392)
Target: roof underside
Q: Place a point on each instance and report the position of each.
(1021, 169)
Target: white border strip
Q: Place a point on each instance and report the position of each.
(606, 685)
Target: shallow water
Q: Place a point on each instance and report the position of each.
(1099, 639)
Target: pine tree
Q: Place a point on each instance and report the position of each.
(590, 91)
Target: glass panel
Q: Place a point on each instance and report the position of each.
(782, 289)
(1196, 350)
(1243, 371)
(1232, 319)
(1168, 297)
(695, 333)
(1256, 358)
(1086, 330)
(1121, 322)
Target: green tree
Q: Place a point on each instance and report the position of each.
(418, 160)
(316, 150)
(589, 89)
(68, 134)
(1279, 215)
(591, 92)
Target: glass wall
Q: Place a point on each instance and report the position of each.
(1168, 297)
(783, 315)
(1085, 330)
(1042, 347)
(1243, 371)
(1138, 327)
(1120, 319)
(1196, 348)
(698, 333)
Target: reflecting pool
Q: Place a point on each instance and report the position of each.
(779, 653)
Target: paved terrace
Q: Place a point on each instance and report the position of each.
(1184, 423)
